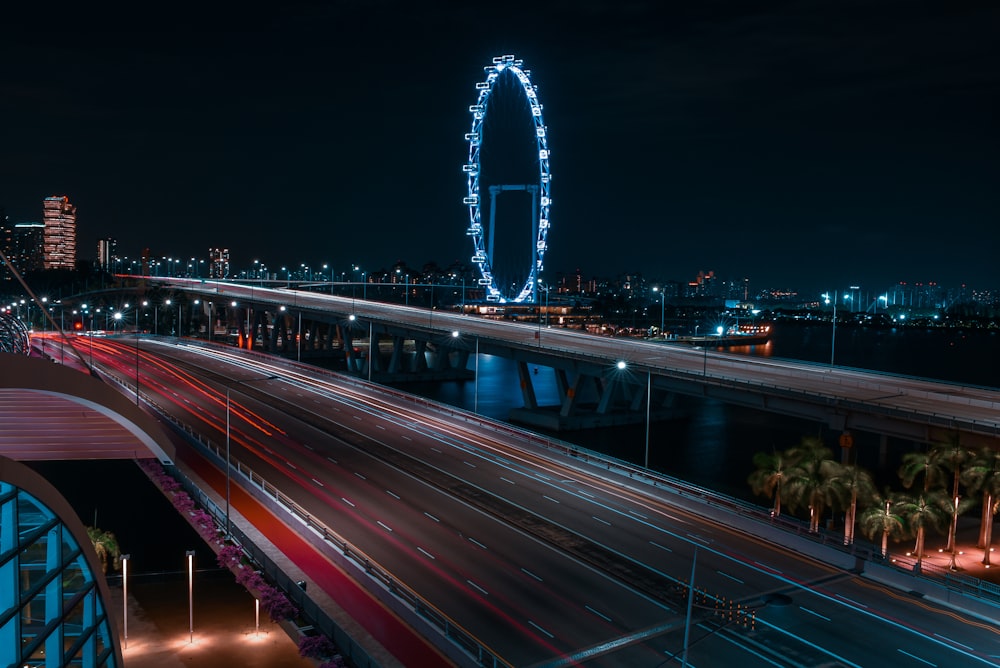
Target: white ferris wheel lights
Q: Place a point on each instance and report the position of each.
(482, 255)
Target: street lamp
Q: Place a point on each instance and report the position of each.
(475, 400)
(125, 558)
(190, 556)
(833, 336)
(229, 388)
(663, 297)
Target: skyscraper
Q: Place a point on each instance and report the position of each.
(6, 241)
(218, 262)
(27, 245)
(107, 254)
(60, 233)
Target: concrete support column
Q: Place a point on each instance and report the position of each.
(420, 359)
(568, 406)
(527, 388)
(374, 353)
(606, 395)
(397, 361)
(353, 363)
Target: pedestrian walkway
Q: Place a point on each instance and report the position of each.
(968, 558)
(225, 630)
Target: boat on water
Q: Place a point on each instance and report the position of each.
(747, 334)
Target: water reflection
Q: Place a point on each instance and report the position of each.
(713, 443)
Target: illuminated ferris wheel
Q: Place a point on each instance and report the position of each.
(540, 199)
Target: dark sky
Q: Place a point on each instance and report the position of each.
(803, 144)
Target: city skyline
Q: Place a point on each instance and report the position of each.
(792, 145)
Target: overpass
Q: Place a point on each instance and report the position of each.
(50, 411)
(601, 381)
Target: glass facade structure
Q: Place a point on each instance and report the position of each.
(53, 604)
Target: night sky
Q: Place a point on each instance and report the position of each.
(811, 145)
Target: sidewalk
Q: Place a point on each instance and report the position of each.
(225, 634)
(968, 557)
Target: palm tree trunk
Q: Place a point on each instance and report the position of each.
(988, 539)
(777, 501)
(954, 511)
(885, 543)
(953, 529)
(920, 545)
(986, 519)
(849, 518)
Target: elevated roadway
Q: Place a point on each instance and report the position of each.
(588, 369)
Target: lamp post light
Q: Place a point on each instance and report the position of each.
(190, 556)
(325, 268)
(649, 401)
(475, 400)
(45, 322)
(833, 336)
(125, 558)
(663, 297)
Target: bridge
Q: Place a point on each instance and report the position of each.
(601, 381)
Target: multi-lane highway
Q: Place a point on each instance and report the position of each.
(545, 558)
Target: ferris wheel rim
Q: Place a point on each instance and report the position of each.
(472, 168)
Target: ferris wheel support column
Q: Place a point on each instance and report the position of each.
(494, 193)
(534, 244)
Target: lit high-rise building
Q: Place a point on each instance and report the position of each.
(218, 262)
(6, 242)
(59, 217)
(107, 254)
(27, 247)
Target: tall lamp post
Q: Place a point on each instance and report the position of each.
(663, 297)
(833, 335)
(125, 558)
(649, 401)
(475, 402)
(229, 388)
(190, 556)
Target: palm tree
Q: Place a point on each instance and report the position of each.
(771, 473)
(956, 507)
(921, 463)
(813, 480)
(983, 474)
(929, 510)
(859, 484)
(883, 516)
(952, 456)
(106, 547)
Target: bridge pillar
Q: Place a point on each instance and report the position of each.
(527, 388)
(350, 355)
(396, 360)
(375, 353)
(568, 392)
(420, 359)
(606, 394)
